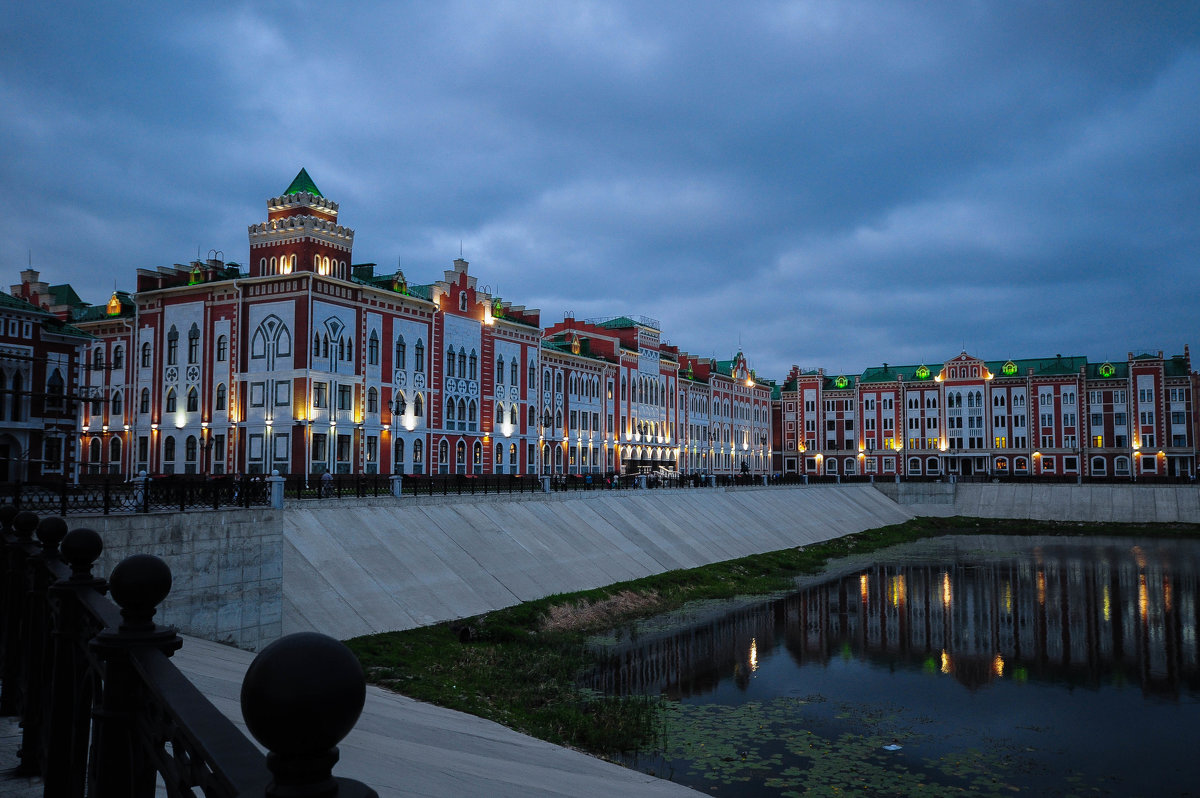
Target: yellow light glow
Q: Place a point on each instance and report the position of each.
(998, 665)
(1166, 593)
(863, 583)
(1041, 587)
(897, 590)
(1143, 597)
(753, 654)
(1107, 604)
(1008, 598)
(947, 666)
(947, 594)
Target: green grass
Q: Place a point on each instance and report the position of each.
(503, 666)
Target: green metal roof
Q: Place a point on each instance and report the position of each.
(621, 322)
(16, 303)
(65, 295)
(1042, 366)
(1175, 367)
(303, 184)
(893, 373)
(1108, 371)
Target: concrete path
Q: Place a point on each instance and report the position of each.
(403, 747)
(354, 570)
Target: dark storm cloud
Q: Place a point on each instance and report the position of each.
(824, 184)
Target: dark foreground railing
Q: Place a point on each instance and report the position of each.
(139, 495)
(104, 712)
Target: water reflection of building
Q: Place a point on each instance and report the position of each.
(1075, 615)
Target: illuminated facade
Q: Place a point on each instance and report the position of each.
(1054, 417)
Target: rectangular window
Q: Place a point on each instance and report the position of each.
(1119, 419)
(1048, 465)
(319, 398)
(1098, 441)
(1070, 465)
(343, 399)
(281, 446)
(1148, 440)
(343, 448)
(319, 444)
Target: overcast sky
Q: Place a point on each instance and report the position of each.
(826, 184)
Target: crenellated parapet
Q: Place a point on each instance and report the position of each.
(302, 200)
(294, 228)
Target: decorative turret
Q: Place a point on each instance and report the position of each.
(301, 234)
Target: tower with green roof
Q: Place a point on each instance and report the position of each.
(301, 234)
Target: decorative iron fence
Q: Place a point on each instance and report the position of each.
(140, 495)
(104, 712)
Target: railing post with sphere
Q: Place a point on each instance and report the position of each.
(19, 548)
(301, 696)
(119, 767)
(42, 573)
(70, 693)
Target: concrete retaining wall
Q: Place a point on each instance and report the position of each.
(1131, 503)
(226, 568)
(357, 570)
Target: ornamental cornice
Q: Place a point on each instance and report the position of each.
(302, 200)
(296, 227)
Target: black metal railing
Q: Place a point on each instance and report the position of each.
(336, 486)
(103, 710)
(139, 495)
(470, 484)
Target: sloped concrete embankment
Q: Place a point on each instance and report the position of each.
(1133, 503)
(350, 571)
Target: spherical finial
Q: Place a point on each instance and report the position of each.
(23, 525)
(80, 548)
(139, 584)
(302, 694)
(50, 532)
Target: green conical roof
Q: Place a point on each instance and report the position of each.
(303, 184)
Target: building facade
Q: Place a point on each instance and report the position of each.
(1054, 417)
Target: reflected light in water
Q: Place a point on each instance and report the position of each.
(753, 653)
(998, 665)
(946, 592)
(1143, 597)
(1041, 587)
(897, 590)
(946, 661)
(862, 587)
(1139, 556)
(1008, 597)
(1107, 604)
(1166, 593)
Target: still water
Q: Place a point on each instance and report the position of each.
(994, 665)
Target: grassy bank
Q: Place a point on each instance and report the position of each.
(518, 666)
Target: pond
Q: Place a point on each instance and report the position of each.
(994, 665)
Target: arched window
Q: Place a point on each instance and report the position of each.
(419, 353)
(146, 355)
(349, 349)
(194, 344)
(400, 405)
(418, 406)
(460, 457)
(512, 456)
(499, 413)
(274, 268)
(144, 405)
(1121, 466)
(462, 362)
(114, 450)
(558, 382)
(222, 348)
(477, 457)
(373, 349)
(418, 456)
(172, 346)
(474, 366)
(94, 450)
(500, 371)
(193, 400)
(532, 376)
(324, 346)
(1099, 466)
(449, 411)
(118, 359)
(169, 449)
(398, 457)
(472, 412)
(462, 413)
(262, 265)
(189, 449)
(372, 400)
(450, 361)
(514, 373)
(117, 405)
(512, 415)
(914, 465)
(401, 353)
(220, 403)
(341, 349)
(532, 417)
(170, 408)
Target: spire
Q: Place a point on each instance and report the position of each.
(303, 184)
